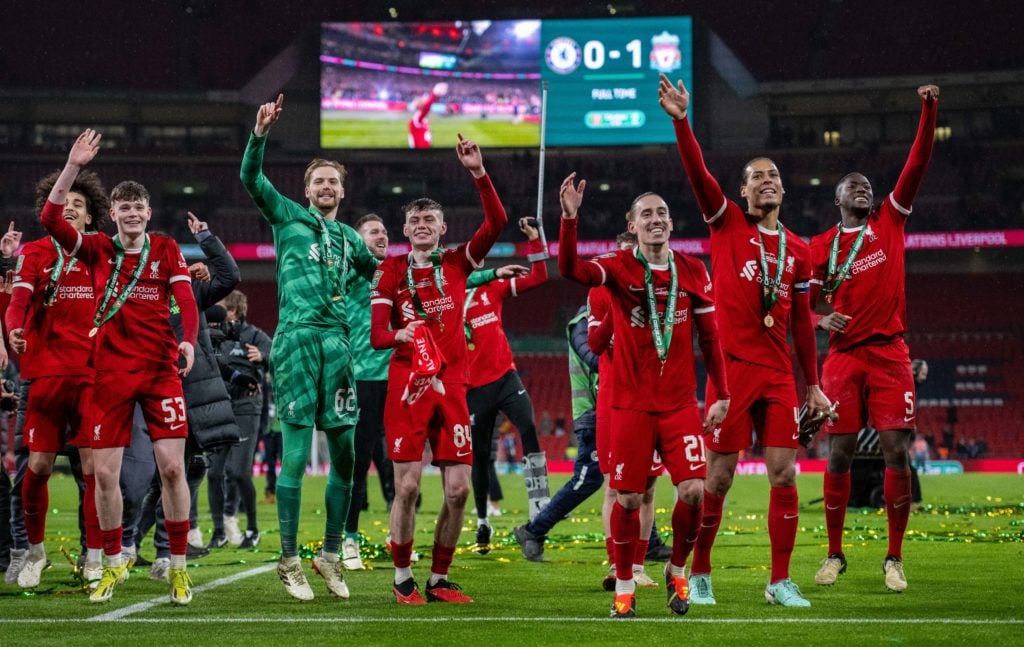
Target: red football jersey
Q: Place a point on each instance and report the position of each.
(444, 311)
(57, 335)
(640, 381)
(874, 293)
(490, 356)
(139, 337)
(736, 268)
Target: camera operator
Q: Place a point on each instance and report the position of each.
(243, 353)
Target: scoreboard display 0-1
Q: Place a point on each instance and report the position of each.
(602, 78)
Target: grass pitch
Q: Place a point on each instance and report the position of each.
(963, 558)
(391, 130)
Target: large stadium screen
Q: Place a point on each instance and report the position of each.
(603, 78)
(398, 85)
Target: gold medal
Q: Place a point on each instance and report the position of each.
(769, 321)
(471, 346)
(92, 333)
(440, 326)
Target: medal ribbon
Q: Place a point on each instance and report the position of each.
(661, 332)
(465, 318)
(770, 287)
(435, 262)
(327, 256)
(50, 295)
(111, 288)
(834, 279)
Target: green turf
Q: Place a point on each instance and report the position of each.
(963, 561)
(347, 133)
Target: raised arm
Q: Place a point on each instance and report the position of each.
(225, 274)
(269, 202)
(539, 268)
(571, 197)
(495, 218)
(921, 150)
(439, 90)
(675, 101)
(82, 152)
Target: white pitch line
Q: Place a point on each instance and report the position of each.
(120, 614)
(109, 617)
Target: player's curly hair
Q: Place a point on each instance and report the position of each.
(423, 204)
(317, 163)
(87, 184)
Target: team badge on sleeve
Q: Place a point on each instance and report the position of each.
(376, 279)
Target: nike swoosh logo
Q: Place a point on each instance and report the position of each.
(790, 516)
(47, 270)
(462, 454)
(908, 418)
(242, 440)
(704, 525)
(697, 466)
(899, 505)
(833, 507)
(796, 436)
(634, 289)
(521, 391)
(177, 426)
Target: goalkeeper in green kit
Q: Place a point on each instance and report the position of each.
(311, 357)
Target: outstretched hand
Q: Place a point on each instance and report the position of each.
(85, 148)
(267, 115)
(928, 92)
(470, 156)
(835, 322)
(673, 100)
(570, 196)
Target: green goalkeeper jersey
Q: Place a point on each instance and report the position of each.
(314, 255)
(368, 364)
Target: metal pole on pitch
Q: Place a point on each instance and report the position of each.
(542, 255)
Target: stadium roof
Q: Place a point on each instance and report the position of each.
(168, 45)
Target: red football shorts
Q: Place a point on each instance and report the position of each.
(763, 402)
(55, 412)
(443, 420)
(113, 405)
(640, 437)
(872, 383)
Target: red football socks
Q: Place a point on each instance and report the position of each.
(625, 533)
(837, 495)
(35, 501)
(685, 529)
(711, 519)
(783, 519)
(897, 506)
